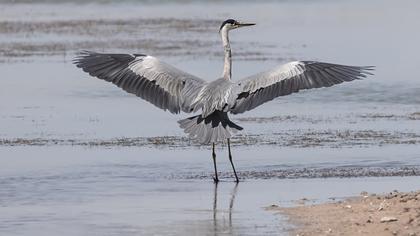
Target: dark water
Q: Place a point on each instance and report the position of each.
(80, 157)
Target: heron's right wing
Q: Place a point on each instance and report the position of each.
(156, 82)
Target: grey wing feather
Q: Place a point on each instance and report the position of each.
(291, 78)
(158, 83)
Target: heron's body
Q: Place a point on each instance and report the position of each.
(174, 90)
(215, 96)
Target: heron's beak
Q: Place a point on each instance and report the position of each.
(245, 24)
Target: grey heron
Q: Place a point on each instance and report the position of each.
(177, 91)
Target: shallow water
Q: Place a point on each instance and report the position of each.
(146, 191)
(79, 156)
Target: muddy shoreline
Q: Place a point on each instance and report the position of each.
(394, 213)
(292, 138)
(46, 38)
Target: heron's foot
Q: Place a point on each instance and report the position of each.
(215, 180)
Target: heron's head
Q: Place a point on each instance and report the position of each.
(233, 24)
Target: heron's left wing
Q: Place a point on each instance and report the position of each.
(145, 76)
(291, 78)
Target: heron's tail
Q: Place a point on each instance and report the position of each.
(211, 129)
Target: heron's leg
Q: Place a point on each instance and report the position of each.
(215, 178)
(231, 162)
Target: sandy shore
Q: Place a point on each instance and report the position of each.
(369, 214)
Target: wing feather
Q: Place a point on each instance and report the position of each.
(158, 83)
(291, 78)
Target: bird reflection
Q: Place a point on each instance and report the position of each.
(232, 200)
(216, 222)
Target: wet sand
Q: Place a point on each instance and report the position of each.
(394, 213)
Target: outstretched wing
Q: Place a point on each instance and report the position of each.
(290, 78)
(156, 82)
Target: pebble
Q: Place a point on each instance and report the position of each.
(410, 220)
(382, 205)
(388, 219)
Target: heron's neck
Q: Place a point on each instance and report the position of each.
(227, 68)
